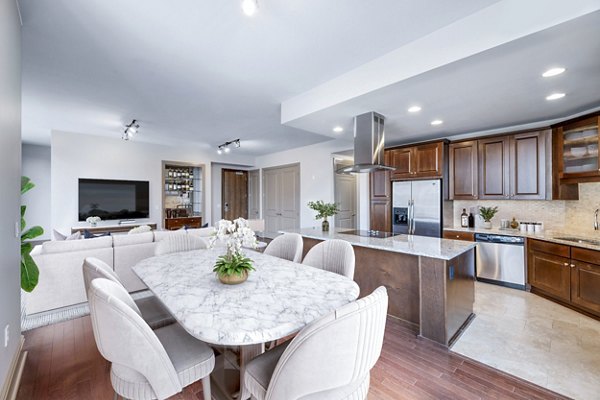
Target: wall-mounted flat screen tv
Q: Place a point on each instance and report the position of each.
(113, 199)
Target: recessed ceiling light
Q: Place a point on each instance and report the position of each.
(414, 109)
(338, 129)
(555, 96)
(249, 7)
(553, 72)
(437, 122)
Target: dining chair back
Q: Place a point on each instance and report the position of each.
(330, 358)
(95, 268)
(257, 225)
(179, 242)
(287, 246)
(142, 367)
(332, 255)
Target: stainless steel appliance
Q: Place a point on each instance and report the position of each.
(500, 259)
(417, 207)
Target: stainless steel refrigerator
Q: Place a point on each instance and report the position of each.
(417, 207)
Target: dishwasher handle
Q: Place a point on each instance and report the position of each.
(500, 239)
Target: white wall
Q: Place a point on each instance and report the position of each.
(316, 177)
(216, 192)
(36, 165)
(10, 198)
(77, 156)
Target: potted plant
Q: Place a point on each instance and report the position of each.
(29, 270)
(487, 213)
(324, 210)
(233, 266)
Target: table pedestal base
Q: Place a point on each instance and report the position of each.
(228, 376)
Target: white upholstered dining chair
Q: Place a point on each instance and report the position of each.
(150, 308)
(179, 242)
(330, 358)
(145, 364)
(332, 255)
(287, 246)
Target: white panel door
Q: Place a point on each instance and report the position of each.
(281, 201)
(253, 194)
(345, 198)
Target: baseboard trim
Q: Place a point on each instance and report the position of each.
(11, 386)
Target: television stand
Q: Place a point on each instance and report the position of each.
(111, 228)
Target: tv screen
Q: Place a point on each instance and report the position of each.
(110, 199)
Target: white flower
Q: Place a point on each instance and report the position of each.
(235, 234)
(93, 220)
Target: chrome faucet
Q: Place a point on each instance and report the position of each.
(596, 219)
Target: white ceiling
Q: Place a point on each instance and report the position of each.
(200, 71)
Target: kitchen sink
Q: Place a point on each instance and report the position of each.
(579, 240)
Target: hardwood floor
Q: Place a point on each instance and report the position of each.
(63, 363)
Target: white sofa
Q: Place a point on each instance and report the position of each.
(60, 264)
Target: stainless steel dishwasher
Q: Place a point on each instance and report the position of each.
(500, 260)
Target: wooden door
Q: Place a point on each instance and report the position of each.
(234, 194)
(402, 160)
(428, 160)
(585, 285)
(494, 168)
(528, 166)
(254, 194)
(345, 197)
(464, 170)
(550, 273)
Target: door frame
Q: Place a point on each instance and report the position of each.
(257, 194)
(264, 195)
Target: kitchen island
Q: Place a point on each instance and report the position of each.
(430, 281)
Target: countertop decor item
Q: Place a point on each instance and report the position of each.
(233, 267)
(487, 213)
(324, 210)
(29, 269)
(93, 221)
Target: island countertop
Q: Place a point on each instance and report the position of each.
(443, 249)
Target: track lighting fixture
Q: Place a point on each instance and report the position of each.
(224, 148)
(130, 130)
(249, 7)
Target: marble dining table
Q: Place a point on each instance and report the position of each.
(279, 298)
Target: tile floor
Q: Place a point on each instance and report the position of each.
(535, 339)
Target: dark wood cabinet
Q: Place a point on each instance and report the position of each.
(576, 149)
(381, 215)
(463, 171)
(493, 168)
(381, 198)
(421, 161)
(459, 235)
(527, 166)
(172, 224)
(567, 273)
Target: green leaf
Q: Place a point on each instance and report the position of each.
(32, 233)
(26, 248)
(26, 184)
(29, 273)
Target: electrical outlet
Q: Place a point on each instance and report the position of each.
(6, 335)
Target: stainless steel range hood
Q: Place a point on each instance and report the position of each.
(369, 142)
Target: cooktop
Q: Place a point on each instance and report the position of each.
(375, 234)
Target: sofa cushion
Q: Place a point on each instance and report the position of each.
(202, 232)
(140, 229)
(128, 240)
(66, 246)
(59, 236)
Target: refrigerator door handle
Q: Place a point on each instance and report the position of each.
(411, 230)
(409, 217)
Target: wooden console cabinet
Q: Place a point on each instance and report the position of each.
(173, 224)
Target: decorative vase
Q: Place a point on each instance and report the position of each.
(487, 224)
(325, 225)
(234, 279)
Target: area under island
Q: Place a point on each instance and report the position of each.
(430, 281)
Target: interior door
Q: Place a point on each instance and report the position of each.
(254, 194)
(345, 197)
(290, 197)
(427, 209)
(234, 194)
(271, 203)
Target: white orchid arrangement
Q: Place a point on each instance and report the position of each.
(93, 220)
(235, 234)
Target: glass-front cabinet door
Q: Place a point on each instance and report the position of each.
(580, 149)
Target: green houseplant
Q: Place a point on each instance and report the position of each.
(233, 266)
(487, 213)
(323, 210)
(29, 270)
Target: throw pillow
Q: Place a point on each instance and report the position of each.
(89, 235)
(59, 236)
(139, 229)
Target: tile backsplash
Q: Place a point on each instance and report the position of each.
(567, 215)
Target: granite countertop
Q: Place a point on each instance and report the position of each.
(444, 249)
(547, 235)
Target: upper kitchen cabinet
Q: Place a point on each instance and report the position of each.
(576, 143)
(463, 171)
(421, 161)
(493, 171)
(527, 168)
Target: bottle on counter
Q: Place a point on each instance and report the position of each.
(514, 223)
(471, 220)
(464, 219)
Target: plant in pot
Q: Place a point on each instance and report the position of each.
(233, 266)
(29, 270)
(324, 210)
(487, 213)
